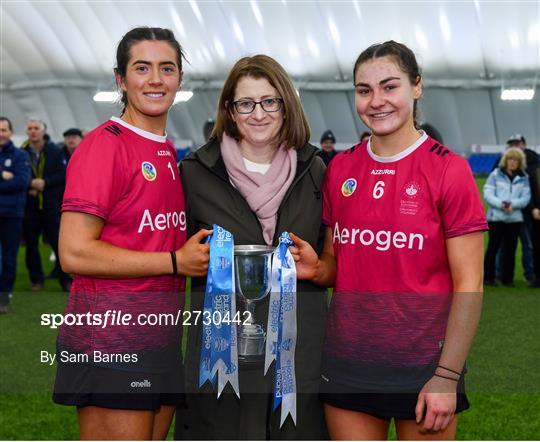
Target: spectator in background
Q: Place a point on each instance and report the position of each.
(72, 138)
(365, 136)
(507, 193)
(525, 234)
(208, 129)
(432, 132)
(14, 179)
(535, 190)
(42, 215)
(531, 157)
(328, 144)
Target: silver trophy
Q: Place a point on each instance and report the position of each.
(253, 272)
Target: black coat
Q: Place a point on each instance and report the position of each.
(13, 192)
(211, 198)
(54, 175)
(328, 156)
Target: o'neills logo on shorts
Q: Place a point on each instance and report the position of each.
(382, 240)
(141, 384)
(162, 221)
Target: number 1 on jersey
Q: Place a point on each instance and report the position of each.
(172, 170)
(378, 190)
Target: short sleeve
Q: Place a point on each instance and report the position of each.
(95, 176)
(461, 207)
(327, 198)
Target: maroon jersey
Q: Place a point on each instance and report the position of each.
(127, 177)
(390, 218)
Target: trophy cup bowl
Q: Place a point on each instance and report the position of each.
(253, 273)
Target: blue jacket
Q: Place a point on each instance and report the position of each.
(13, 192)
(54, 174)
(499, 188)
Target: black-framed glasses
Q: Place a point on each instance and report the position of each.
(248, 106)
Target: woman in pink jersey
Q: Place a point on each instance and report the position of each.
(403, 249)
(123, 235)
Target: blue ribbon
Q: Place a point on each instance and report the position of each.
(282, 329)
(219, 352)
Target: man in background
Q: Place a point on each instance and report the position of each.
(14, 180)
(42, 215)
(328, 144)
(72, 138)
(432, 132)
(365, 136)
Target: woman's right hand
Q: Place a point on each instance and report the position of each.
(193, 257)
(305, 257)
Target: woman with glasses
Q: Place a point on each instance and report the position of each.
(257, 177)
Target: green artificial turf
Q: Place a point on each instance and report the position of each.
(26, 407)
(503, 379)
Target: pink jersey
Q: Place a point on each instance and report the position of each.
(129, 178)
(390, 219)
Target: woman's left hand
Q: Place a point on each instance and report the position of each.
(438, 399)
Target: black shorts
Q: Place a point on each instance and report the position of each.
(384, 405)
(85, 385)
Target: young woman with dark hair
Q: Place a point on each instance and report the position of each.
(123, 235)
(403, 249)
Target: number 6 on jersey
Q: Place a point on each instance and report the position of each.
(378, 190)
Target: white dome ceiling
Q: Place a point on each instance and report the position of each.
(56, 55)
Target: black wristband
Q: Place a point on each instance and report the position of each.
(449, 369)
(174, 265)
(445, 377)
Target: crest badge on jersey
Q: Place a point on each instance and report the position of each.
(348, 187)
(411, 190)
(410, 198)
(149, 171)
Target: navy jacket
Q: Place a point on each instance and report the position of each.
(54, 175)
(327, 156)
(13, 192)
(66, 155)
